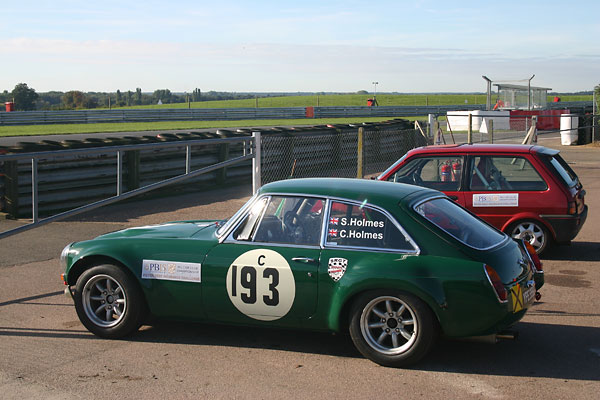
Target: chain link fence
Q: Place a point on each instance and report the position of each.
(335, 152)
(513, 129)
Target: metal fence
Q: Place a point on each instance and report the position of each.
(79, 180)
(337, 153)
(580, 129)
(209, 114)
(60, 183)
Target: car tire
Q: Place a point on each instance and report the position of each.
(109, 302)
(532, 231)
(391, 328)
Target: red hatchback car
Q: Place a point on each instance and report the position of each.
(527, 191)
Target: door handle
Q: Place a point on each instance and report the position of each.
(305, 260)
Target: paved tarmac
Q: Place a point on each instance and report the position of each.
(47, 354)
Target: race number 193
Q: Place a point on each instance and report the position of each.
(260, 284)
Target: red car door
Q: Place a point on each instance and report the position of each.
(504, 188)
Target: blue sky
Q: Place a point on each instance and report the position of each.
(289, 46)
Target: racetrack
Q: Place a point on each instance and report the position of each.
(47, 354)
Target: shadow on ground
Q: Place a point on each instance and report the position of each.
(576, 251)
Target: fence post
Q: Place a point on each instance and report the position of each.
(470, 130)
(491, 131)
(531, 136)
(223, 156)
(430, 126)
(594, 116)
(359, 155)
(439, 138)
(256, 161)
(132, 162)
(119, 171)
(11, 188)
(34, 189)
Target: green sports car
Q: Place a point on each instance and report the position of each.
(395, 264)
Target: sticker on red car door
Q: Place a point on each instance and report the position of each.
(496, 200)
(261, 285)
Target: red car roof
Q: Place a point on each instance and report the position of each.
(483, 148)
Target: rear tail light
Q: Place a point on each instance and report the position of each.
(496, 283)
(537, 263)
(571, 208)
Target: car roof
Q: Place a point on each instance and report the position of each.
(484, 148)
(371, 191)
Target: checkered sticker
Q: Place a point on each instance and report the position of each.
(336, 268)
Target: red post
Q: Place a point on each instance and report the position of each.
(310, 112)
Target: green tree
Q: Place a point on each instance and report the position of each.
(73, 99)
(78, 100)
(25, 97)
(120, 101)
(164, 95)
(197, 95)
(597, 91)
(138, 96)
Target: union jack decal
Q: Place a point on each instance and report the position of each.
(333, 232)
(334, 221)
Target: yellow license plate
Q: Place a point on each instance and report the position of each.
(521, 298)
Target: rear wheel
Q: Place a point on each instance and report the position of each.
(391, 328)
(108, 301)
(533, 232)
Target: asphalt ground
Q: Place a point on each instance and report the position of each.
(45, 353)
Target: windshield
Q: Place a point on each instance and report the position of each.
(459, 223)
(235, 216)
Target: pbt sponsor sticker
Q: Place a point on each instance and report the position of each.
(496, 200)
(171, 270)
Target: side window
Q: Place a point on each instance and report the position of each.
(362, 226)
(440, 173)
(291, 220)
(505, 173)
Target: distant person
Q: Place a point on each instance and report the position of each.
(499, 104)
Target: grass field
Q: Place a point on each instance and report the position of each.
(263, 102)
(334, 100)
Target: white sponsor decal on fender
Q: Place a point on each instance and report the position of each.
(261, 285)
(171, 270)
(496, 200)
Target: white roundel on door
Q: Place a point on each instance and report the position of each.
(260, 284)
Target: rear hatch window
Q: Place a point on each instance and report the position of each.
(459, 223)
(563, 170)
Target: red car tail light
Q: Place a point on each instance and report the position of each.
(534, 257)
(496, 283)
(572, 208)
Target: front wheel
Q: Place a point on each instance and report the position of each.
(108, 301)
(392, 329)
